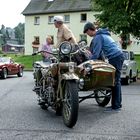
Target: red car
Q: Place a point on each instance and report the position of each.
(9, 67)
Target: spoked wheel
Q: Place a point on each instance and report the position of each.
(70, 104)
(4, 73)
(102, 97)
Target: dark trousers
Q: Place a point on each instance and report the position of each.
(117, 62)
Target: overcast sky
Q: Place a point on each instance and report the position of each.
(10, 12)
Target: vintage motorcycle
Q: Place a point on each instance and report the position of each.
(58, 84)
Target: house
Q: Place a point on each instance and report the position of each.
(8, 42)
(39, 20)
(13, 48)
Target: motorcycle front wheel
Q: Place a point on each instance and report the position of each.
(70, 104)
(102, 97)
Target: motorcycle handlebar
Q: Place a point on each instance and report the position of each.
(34, 53)
(43, 51)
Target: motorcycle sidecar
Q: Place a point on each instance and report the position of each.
(96, 74)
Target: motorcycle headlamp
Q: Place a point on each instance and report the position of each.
(88, 67)
(65, 48)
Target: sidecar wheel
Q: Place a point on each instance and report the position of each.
(70, 104)
(102, 97)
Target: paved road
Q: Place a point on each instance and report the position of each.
(22, 119)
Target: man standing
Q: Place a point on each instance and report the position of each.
(64, 33)
(103, 43)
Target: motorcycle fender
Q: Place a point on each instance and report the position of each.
(70, 76)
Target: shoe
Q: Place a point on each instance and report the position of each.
(110, 109)
(117, 109)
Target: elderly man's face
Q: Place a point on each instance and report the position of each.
(56, 24)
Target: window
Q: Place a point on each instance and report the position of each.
(50, 19)
(83, 17)
(36, 43)
(36, 20)
(67, 18)
(126, 55)
(83, 37)
(36, 40)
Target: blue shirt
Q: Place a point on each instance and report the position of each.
(103, 43)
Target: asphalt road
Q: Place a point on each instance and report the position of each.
(22, 119)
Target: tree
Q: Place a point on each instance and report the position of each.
(4, 33)
(121, 16)
(19, 33)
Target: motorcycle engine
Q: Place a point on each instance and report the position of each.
(48, 93)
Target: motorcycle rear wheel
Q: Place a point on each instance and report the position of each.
(102, 97)
(70, 104)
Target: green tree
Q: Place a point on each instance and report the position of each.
(19, 33)
(121, 16)
(4, 33)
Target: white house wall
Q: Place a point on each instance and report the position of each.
(45, 29)
(75, 25)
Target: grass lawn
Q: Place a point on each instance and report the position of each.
(137, 58)
(28, 60)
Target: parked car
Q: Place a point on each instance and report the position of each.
(129, 70)
(9, 67)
